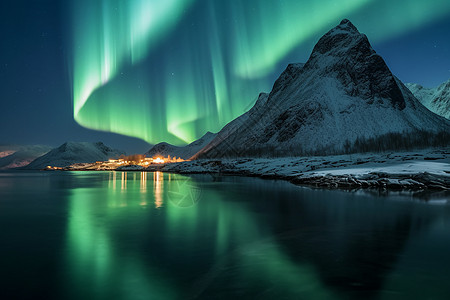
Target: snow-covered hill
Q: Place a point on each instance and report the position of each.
(435, 99)
(344, 92)
(75, 152)
(184, 152)
(16, 156)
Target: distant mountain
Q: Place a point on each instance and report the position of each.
(16, 156)
(75, 152)
(184, 152)
(435, 99)
(343, 94)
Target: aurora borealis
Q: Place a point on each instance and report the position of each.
(172, 70)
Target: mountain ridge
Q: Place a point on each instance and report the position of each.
(75, 152)
(435, 99)
(345, 91)
(17, 156)
(184, 152)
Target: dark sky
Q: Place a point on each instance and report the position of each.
(35, 77)
(35, 82)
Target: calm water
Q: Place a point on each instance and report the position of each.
(86, 235)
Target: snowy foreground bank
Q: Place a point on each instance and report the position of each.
(424, 169)
(409, 170)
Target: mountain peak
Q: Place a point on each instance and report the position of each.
(344, 92)
(346, 54)
(344, 37)
(347, 24)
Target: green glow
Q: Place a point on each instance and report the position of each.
(383, 20)
(278, 27)
(109, 35)
(126, 205)
(172, 70)
(94, 259)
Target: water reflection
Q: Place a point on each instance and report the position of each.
(144, 188)
(97, 258)
(158, 179)
(143, 182)
(158, 187)
(194, 238)
(124, 181)
(97, 262)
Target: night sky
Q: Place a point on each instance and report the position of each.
(172, 70)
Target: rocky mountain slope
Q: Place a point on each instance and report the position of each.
(435, 99)
(184, 152)
(344, 92)
(75, 152)
(16, 156)
(233, 127)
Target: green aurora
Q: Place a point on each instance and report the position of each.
(171, 70)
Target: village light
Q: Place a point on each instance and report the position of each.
(158, 160)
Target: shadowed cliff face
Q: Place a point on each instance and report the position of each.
(356, 64)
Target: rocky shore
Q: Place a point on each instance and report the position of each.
(381, 180)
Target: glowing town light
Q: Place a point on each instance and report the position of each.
(158, 160)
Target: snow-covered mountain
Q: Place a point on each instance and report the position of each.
(16, 156)
(344, 92)
(75, 152)
(435, 99)
(234, 126)
(184, 152)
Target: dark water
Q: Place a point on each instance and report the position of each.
(159, 236)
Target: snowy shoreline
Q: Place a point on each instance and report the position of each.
(395, 171)
(413, 170)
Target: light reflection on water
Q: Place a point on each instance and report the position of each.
(115, 235)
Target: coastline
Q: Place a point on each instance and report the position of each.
(413, 170)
